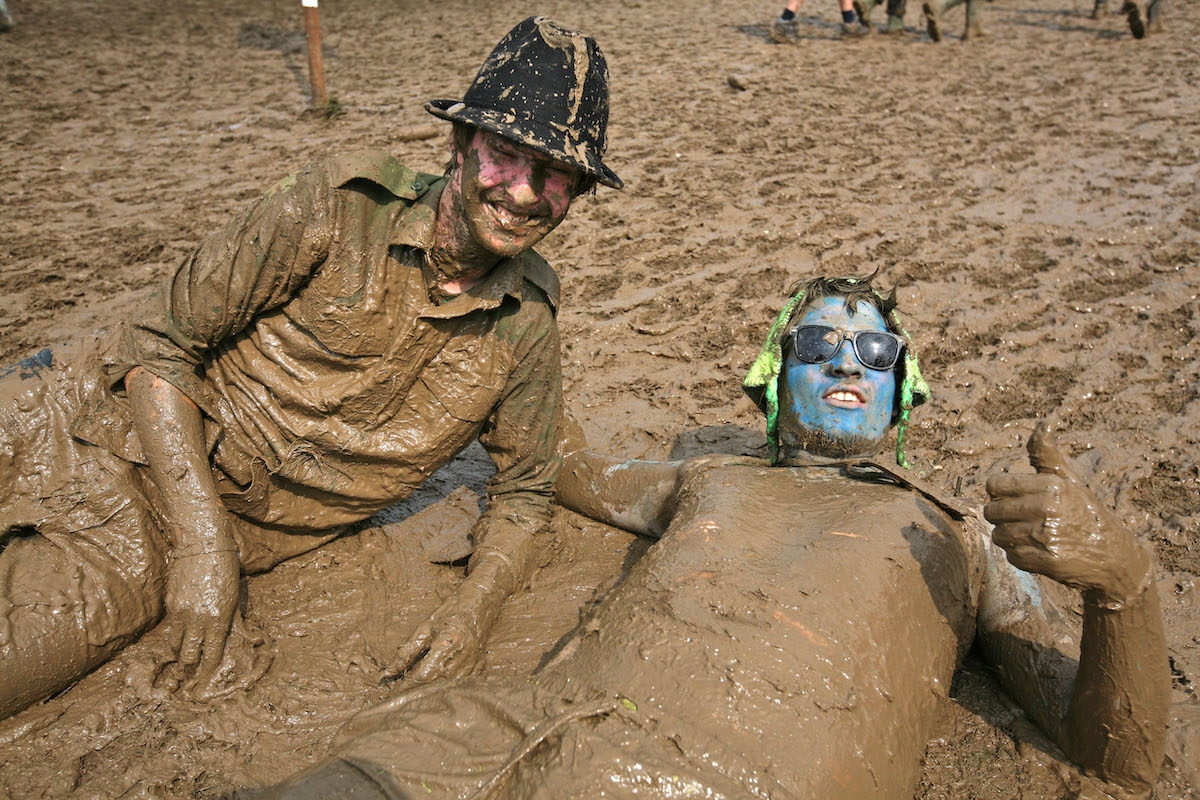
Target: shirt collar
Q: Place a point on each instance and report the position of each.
(415, 228)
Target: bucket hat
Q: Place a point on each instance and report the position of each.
(544, 87)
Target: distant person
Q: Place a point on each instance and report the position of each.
(1139, 24)
(934, 9)
(785, 28)
(895, 14)
(6, 21)
(797, 628)
(306, 367)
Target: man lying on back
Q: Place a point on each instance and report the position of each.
(796, 628)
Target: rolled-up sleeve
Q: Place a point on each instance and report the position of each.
(261, 259)
(522, 438)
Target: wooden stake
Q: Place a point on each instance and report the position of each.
(316, 67)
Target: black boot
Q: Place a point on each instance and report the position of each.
(1134, 15)
(932, 9)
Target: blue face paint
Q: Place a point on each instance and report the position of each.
(840, 407)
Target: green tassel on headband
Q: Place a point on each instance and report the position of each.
(762, 380)
(913, 389)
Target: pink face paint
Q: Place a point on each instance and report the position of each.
(511, 196)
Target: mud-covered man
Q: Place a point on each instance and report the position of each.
(310, 365)
(796, 628)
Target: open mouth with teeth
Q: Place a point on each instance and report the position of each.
(509, 220)
(845, 397)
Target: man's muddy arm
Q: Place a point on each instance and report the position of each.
(262, 258)
(1117, 723)
(521, 438)
(204, 571)
(1095, 701)
(1114, 722)
(637, 496)
(634, 495)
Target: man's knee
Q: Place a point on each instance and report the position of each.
(65, 609)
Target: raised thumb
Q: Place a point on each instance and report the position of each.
(1044, 454)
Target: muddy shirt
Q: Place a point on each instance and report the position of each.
(331, 384)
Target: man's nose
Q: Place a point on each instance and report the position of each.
(525, 189)
(844, 362)
(522, 193)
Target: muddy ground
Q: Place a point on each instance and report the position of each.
(1035, 195)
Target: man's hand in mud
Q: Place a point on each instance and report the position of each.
(202, 598)
(450, 643)
(1052, 524)
(203, 632)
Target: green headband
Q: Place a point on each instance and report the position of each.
(762, 380)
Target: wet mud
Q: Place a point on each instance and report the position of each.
(1034, 193)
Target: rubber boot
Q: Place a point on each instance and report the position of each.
(894, 25)
(1134, 14)
(932, 9)
(1098, 9)
(974, 29)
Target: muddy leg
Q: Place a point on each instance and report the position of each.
(974, 29)
(61, 616)
(1152, 11)
(863, 9)
(933, 10)
(895, 20)
(43, 644)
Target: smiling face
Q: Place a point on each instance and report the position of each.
(507, 196)
(838, 408)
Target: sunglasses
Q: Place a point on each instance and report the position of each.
(816, 344)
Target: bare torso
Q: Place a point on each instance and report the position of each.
(791, 635)
(806, 620)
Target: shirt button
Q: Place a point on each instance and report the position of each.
(417, 186)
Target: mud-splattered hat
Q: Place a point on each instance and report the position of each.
(545, 87)
(761, 383)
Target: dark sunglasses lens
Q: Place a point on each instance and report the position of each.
(877, 350)
(816, 344)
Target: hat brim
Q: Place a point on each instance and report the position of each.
(524, 132)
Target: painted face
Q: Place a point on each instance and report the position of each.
(840, 407)
(510, 196)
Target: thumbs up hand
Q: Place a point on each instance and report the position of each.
(1052, 524)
